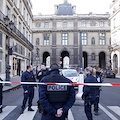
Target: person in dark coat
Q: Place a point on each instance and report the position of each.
(43, 72)
(28, 76)
(98, 89)
(56, 100)
(89, 92)
(1, 96)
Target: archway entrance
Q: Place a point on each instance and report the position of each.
(46, 58)
(65, 60)
(102, 58)
(85, 56)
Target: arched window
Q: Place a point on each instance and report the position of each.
(93, 57)
(93, 41)
(37, 41)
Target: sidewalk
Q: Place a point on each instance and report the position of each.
(12, 86)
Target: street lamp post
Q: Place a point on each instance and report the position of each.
(8, 67)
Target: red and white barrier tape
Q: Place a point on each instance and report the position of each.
(76, 84)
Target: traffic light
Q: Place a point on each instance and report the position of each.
(10, 51)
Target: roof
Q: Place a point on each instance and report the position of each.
(65, 9)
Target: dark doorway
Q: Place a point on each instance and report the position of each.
(63, 57)
(102, 58)
(45, 56)
(85, 62)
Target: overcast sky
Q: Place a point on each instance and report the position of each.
(46, 7)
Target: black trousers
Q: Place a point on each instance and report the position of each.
(1, 97)
(87, 108)
(28, 96)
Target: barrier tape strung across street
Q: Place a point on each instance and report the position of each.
(76, 84)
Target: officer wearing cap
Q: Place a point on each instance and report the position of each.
(56, 100)
(1, 96)
(28, 76)
(89, 92)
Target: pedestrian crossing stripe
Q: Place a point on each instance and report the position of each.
(28, 115)
(6, 110)
(115, 109)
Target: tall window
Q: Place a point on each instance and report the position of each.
(37, 41)
(14, 20)
(20, 6)
(102, 38)
(101, 24)
(0, 39)
(19, 26)
(23, 31)
(93, 41)
(46, 39)
(64, 39)
(46, 25)
(64, 24)
(84, 38)
(93, 57)
(8, 11)
(83, 24)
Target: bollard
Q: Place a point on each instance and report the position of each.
(79, 100)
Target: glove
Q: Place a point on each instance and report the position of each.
(83, 97)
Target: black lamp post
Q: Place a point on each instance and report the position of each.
(8, 67)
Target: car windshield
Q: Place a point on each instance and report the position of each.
(70, 73)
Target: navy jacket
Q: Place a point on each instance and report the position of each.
(51, 108)
(28, 77)
(44, 73)
(89, 90)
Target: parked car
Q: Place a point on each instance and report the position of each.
(70, 74)
(110, 74)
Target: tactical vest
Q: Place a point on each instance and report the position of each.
(57, 93)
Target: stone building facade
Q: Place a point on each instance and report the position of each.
(115, 35)
(56, 38)
(20, 37)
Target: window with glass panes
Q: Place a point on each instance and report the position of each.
(64, 39)
(64, 24)
(0, 39)
(84, 38)
(46, 25)
(102, 38)
(46, 39)
(37, 41)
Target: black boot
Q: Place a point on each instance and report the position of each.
(1, 110)
(30, 109)
(22, 110)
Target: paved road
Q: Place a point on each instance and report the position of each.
(109, 105)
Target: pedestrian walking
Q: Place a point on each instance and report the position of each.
(1, 96)
(97, 90)
(28, 76)
(42, 73)
(89, 92)
(56, 100)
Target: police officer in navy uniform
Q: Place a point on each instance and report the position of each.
(89, 92)
(43, 72)
(56, 100)
(28, 76)
(98, 89)
(1, 96)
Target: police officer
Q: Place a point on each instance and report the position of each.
(89, 92)
(1, 96)
(43, 72)
(56, 100)
(28, 76)
(98, 89)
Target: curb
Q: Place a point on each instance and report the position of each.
(12, 88)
